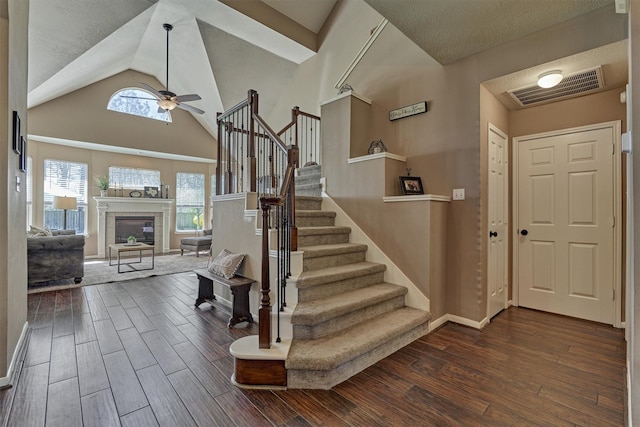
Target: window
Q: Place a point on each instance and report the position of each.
(65, 179)
(138, 102)
(189, 201)
(134, 179)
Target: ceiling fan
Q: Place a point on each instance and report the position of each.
(168, 100)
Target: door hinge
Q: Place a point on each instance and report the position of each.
(614, 294)
(613, 148)
(613, 221)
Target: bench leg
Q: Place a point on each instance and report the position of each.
(241, 311)
(205, 290)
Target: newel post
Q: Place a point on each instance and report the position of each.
(264, 313)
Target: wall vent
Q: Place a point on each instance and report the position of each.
(571, 86)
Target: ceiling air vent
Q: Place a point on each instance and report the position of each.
(571, 86)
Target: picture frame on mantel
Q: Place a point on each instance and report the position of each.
(411, 185)
(151, 192)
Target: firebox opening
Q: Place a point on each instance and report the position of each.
(141, 227)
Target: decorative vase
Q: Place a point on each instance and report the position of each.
(103, 193)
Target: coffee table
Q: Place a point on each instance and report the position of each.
(120, 248)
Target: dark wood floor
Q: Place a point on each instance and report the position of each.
(138, 354)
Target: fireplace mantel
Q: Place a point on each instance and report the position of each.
(128, 206)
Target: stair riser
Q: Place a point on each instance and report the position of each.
(333, 288)
(308, 204)
(332, 261)
(324, 380)
(310, 170)
(338, 323)
(308, 179)
(315, 221)
(323, 239)
(314, 190)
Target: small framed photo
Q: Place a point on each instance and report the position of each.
(151, 192)
(411, 185)
(16, 133)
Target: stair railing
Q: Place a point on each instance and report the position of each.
(252, 157)
(304, 132)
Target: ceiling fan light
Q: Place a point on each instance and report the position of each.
(166, 104)
(549, 79)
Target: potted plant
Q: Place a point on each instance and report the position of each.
(103, 184)
(131, 240)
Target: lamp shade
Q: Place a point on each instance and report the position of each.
(60, 202)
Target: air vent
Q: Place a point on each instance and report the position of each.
(571, 86)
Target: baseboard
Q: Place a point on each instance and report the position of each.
(15, 359)
(435, 324)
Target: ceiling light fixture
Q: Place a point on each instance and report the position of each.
(549, 79)
(167, 104)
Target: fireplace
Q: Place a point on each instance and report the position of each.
(111, 207)
(140, 227)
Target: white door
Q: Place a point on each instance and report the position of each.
(497, 279)
(565, 220)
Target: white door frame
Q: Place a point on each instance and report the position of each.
(507, 160)
(616, 127)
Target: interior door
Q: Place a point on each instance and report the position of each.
(498, 221)
(565, 224)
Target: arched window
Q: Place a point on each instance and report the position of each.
(138, 102)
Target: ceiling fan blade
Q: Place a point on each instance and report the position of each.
(190, 108)
(152, 90)
(138, 97)
(187, 98)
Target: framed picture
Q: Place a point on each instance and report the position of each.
(22, 159)
(411, 185)
(151, 192)
(16, 133)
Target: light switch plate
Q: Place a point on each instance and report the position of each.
(458, 194)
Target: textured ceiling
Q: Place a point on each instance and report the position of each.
(449, 30)
(219, 52)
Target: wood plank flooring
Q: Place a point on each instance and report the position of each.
(138, 353)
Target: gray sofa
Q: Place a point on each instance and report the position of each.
(60, 256)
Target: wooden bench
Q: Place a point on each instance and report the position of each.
(239, 286)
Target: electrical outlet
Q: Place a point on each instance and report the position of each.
(458, 194)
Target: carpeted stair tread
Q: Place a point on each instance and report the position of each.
(322, 229)
(329, 250)
(310, 170)
(331, 351)
(323, 309)
(308, 279)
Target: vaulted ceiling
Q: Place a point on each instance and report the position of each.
(221, 48)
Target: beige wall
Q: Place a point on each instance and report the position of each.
(443, 145)
(83, 116)
(98, 163)
(13, 271)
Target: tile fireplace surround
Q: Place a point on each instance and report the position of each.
(110, 207)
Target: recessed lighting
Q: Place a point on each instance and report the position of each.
(549, 79)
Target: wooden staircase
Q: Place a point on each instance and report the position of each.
(341, 315)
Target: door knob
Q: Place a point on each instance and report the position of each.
(493, 234)
(524, 232)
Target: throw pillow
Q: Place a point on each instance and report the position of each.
(226, 264)
(39, 231)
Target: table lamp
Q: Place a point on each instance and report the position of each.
(65, 203)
